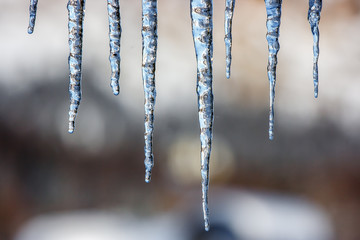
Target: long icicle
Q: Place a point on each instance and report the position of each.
(314, 18)
(32, 11)
(273, 10)
(149, 43)
(202, 27)
(114, 35)
(76, 10)
(229, 12)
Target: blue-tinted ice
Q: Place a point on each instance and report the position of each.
(76, 11)
(149, 47)
(229, 11)
(32, 12)
(314, 19)
(273, 11)
(113, 7)
(202, 28)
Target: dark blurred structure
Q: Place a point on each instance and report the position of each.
(315, 154)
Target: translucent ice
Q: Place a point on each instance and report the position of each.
(314, 18)
(76, 11)
(229, 11)
(113, 7)
(273, 11)
(149, 47)
(32, 11)
(202, 28)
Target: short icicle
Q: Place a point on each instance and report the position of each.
(314, 19)
(149, 47)
(32, 11)
(229, 11)
(202, 27)
(113, 7)
(273, 10)
(76, 10)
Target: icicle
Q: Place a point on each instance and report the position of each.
(229, 11)
(114, 35)
(149, 42)
(76, 10)
(32, 11)
(273, 10)
(314, 18)
(202, 27)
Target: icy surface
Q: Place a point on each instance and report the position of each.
(273, 11)
(113, 7)
(202, 27)
(314, 18)
(32, 12)
(76, 9)
(149, 43)
(229, 11)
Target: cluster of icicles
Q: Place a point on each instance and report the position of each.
(202, 27)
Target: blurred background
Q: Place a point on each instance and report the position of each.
(303, 185)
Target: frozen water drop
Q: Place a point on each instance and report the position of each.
(229, 11)
(32, 11)
(76, 11)
(113, 7)
(202, 28)
(149, 47)
(314, 19)
(273, 11)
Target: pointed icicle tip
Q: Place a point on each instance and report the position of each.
(116, 90)
(229, 12)
(30, 30)
(149, 49)
(207, 225)
(202, 30)
(76, 10)
(271, 135)
(71, 127)
(113, 7)
(273, 11)
(228, 74)
(315, 7)
(147, 176)
(32, 13)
